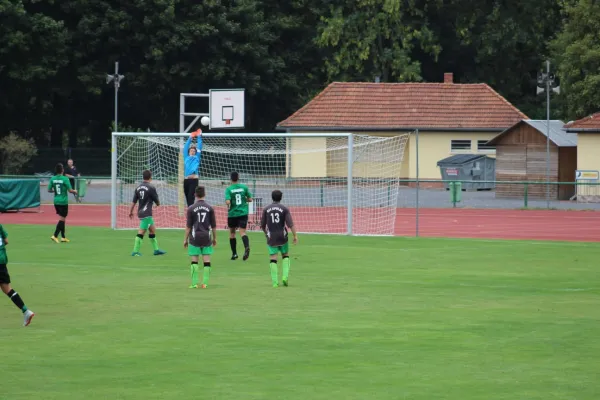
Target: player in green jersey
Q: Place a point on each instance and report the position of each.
(61, 187)
(237, 197)
(5, 280)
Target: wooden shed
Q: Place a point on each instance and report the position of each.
(521, 156)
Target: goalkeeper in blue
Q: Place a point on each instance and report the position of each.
(191, 165)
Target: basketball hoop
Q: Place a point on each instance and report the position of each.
(227, 121)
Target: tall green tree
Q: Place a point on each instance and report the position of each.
(376, 38)
(499, 42)
(576, 50)
(33, 48)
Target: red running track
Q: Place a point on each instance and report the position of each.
(446, 222)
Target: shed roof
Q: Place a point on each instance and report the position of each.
(405, 106)
(558, 135)
(460, 159)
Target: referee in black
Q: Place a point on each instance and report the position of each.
(71, 172)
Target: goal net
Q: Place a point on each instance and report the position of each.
(332, 183)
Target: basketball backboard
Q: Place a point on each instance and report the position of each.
(226, 108)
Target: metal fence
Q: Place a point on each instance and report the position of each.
(411, 194)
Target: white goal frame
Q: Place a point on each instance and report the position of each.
(350, 158)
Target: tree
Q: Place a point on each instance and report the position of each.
(15, 153)
(32, 50)
(369, 39)
(500, 42)
(576, 50)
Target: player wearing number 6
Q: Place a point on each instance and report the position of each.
(275, 220)
(200, 236)
(237, 197)
(61, 187)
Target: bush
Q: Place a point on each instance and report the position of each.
(15, 153)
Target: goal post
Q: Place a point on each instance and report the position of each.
(335, 183)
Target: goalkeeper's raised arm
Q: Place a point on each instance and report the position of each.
(192, 157)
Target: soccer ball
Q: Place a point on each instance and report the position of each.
(204, 121)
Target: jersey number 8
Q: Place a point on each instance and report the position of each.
(238, 199)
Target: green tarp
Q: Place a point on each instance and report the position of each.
(16, 194)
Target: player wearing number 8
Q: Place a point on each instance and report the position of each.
(237, 197)
(275, 220)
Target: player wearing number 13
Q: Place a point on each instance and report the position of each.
(237, 197)
(200, 236)
(275, 220)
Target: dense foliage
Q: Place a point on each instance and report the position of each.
(54, 56)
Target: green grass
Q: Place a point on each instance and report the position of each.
(364, 318)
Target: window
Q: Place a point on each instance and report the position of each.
(460, 145)
(483, 146)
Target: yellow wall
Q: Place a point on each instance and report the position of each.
(435, 146)
(588, 158)
(309, 164)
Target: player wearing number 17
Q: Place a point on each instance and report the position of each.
(237, 197)
(275, 220)
(200, 236)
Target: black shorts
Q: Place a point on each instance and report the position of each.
(4, 276)
(237, 222)
(62, 210)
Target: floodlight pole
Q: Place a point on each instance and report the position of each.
(546, 83)
(116, 80)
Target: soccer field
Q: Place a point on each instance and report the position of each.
(363, 318)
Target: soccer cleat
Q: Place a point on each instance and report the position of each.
(246, 254)
(275, 285)
(203, 286)
(27, 317)
(54, 239)
(159, 252)
(193, 286)
(285, 282)
(136, 254)
(65, 240)
(234, 257)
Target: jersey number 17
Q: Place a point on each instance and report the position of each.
(201, 217)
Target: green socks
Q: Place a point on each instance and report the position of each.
(154, 242)
(137, 244)
(194, 273)
(274, 278)
(206, 274)
(286, 268)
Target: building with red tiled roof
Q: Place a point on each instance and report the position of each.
(452, 118)
(588, 155)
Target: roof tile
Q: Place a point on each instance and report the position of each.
(405, 105)
(591, 122)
